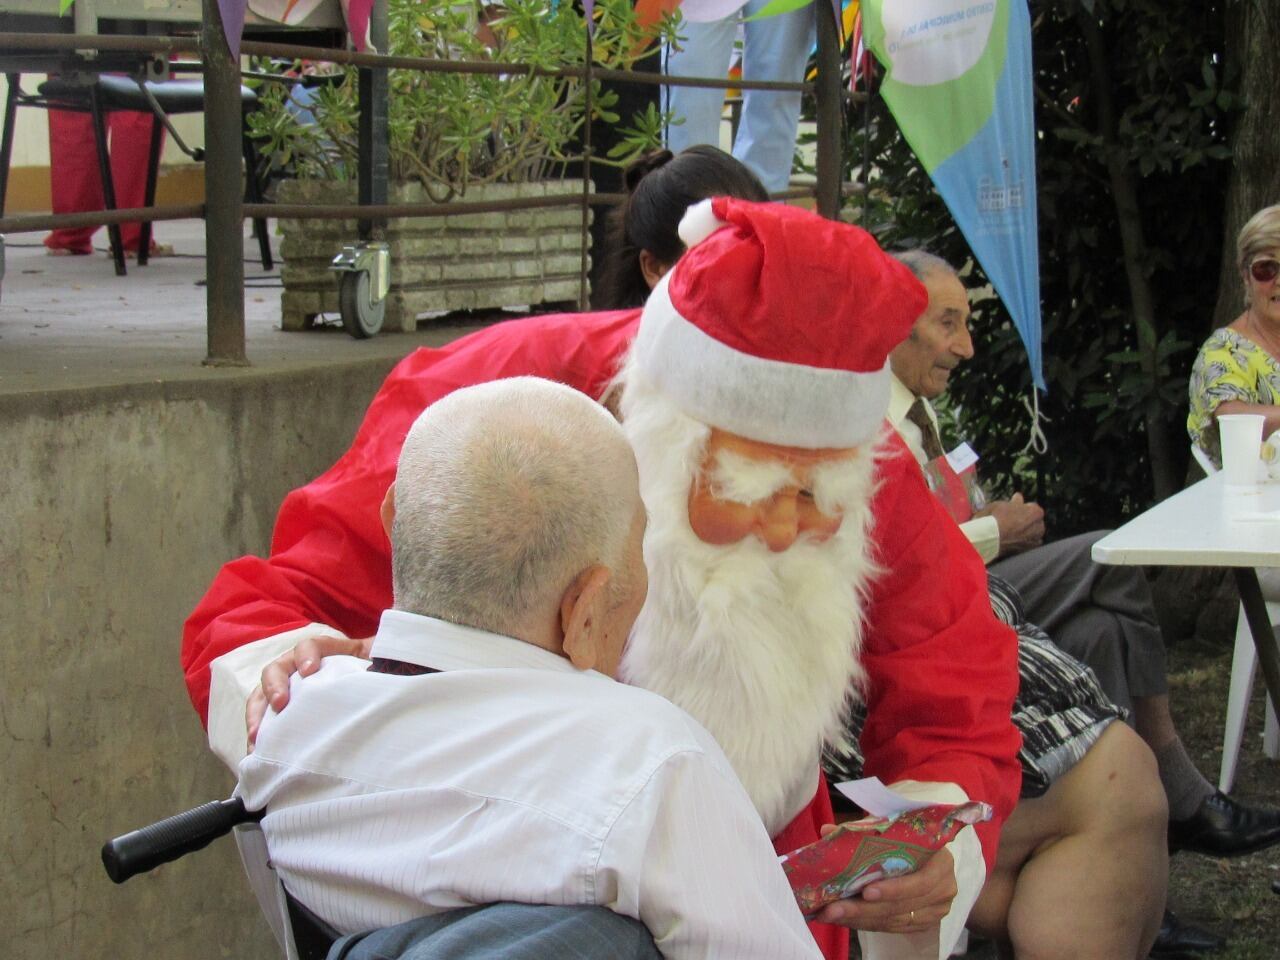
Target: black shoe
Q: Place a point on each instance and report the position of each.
(1224, 828)
(1183, 941)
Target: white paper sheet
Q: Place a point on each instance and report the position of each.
(877, 799)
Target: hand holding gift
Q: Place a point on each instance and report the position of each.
(861, 852)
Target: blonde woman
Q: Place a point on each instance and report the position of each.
(1238, 368)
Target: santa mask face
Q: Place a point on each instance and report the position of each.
(757, 556)
(779, 494)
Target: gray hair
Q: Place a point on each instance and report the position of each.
(504, 493)
(1260, 234)
(924, 264)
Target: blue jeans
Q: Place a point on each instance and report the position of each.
(505, 931)
(775, 48)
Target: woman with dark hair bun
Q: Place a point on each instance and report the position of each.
(661, 186)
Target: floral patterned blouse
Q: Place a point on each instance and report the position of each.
(1229, 366)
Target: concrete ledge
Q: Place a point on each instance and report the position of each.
(120, 503)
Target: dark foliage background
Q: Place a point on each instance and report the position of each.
(1145, 91)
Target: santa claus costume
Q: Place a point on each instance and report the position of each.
(775, 328)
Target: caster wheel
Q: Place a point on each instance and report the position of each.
(360, 316)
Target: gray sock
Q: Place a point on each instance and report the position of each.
(1184, 785)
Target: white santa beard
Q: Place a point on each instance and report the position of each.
(761, 648)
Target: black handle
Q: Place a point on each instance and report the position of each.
(173, 837)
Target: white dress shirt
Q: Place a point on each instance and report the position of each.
(511, 776)
(982, 532)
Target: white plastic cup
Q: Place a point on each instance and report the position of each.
(1241, 435)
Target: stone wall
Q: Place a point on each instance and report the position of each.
(470, 261)
(118, 506)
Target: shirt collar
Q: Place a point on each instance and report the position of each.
(430, 642)
(900, 400)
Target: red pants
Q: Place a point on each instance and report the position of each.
(76, 184)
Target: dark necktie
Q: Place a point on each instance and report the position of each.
(398, 667)
(929, 438)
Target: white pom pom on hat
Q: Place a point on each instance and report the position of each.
(776, 324)
(698, 223)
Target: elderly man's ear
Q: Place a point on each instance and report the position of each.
(583, 616)
(388, 509)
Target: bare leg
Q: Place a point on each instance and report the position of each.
(1082, 871)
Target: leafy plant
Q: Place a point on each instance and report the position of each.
(453, 130)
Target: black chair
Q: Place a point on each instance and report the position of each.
(100, 95)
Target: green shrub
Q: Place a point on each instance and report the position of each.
(452, 130)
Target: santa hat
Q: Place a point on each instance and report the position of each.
(777, 323)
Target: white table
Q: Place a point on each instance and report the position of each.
(1212, 525)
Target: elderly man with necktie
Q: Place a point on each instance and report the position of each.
(1102, 615)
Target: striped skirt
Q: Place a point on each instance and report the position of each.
(1060, 709)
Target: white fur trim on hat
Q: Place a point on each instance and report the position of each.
(767, 400)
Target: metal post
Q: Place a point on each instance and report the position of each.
(6, 142)
(584, 260)
(85, 14)
(829, 113)
(224, 218)
(374, 154)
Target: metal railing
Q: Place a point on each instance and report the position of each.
(224, 208)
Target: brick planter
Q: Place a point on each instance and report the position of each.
(463, 262)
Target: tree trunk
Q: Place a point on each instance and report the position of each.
(1164, 467)
(1253, 37)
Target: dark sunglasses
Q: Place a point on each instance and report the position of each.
(1265, 270)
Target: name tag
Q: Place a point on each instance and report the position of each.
(962, 458)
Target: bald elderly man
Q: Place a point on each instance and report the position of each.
(487, 755)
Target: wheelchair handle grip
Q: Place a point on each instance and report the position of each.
(174, 837)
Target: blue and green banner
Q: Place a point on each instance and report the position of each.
(958, 81)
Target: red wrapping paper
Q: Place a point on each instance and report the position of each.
(861, 852)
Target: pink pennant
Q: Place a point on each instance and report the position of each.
(358, 23)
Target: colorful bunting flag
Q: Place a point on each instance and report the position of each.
(232, 24)
(958, 81)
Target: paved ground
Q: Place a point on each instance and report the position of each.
(70, 322)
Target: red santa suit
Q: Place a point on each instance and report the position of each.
(942, 671)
